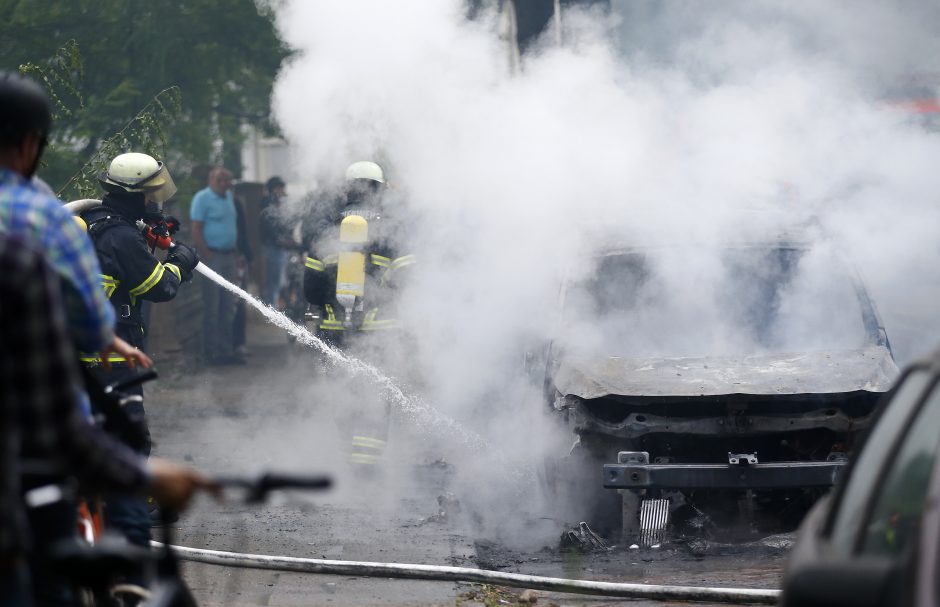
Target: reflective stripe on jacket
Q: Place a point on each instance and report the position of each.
(130, 272)
(382, 277)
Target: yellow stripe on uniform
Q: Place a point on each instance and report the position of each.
(380, 325)
(370, 322)
(110, 284)
(368, 443)
(174, 269)
(149, 283)
(380, 260)
(363, 459)
(401, 262)
(330, 323)
(313, 264)
(95, 360)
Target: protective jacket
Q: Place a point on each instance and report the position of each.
(130, 271)
(386, 271)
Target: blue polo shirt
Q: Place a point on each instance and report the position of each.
(218, 217)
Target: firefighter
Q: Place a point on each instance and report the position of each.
(351, 276)
(126, 229)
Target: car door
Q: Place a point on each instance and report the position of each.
(866, 549)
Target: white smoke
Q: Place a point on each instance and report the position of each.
(661, 122)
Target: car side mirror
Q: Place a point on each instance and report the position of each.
(860, 582)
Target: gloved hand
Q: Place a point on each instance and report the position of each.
(172, 224)
(185, 258)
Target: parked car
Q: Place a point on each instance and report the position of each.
(723, 380)
(876, 540)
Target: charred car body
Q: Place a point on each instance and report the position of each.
(715, 378)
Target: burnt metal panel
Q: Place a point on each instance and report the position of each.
(869, 369)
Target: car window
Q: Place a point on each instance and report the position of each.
(895, 519)
(859, 485)
(702, 301)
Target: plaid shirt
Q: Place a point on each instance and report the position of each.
(39, 375)
(41, 219)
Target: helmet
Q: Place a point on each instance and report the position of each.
(138, 173)
(365, 169)
(24, 109)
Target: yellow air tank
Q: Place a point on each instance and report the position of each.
(351, 266)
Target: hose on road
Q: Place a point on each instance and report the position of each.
(739, 596)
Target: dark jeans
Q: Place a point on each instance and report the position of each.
(218, 310)
(126, 513)
(275, 260)
(240, 320)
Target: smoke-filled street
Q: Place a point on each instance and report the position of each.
(217, 422)
(469, 302)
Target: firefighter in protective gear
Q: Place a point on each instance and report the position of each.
(136, 186)
(352, 274)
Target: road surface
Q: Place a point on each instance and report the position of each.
(276, 413)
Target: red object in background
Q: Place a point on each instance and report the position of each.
(919, 106)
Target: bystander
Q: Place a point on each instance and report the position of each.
(215, 234)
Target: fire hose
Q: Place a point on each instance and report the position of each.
(740, 596)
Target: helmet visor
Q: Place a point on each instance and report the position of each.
(160, 187)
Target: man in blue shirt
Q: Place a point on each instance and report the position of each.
(215, 234)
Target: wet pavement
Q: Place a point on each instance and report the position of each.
(275, 414)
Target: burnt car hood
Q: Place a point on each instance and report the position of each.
(871, 369)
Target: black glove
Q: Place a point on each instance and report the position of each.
(172, 224)
(185, 258)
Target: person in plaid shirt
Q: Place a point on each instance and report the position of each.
(41, 395)
(38, 416)
(26, 210)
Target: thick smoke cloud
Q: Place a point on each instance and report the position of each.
(677, 124)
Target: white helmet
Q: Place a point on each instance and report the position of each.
(365, 169)
(135, 172)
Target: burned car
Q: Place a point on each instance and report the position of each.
(725, 380)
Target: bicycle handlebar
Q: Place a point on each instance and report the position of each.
(121, 386)
(258, 488)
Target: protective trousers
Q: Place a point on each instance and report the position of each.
(365, 410)
(128, 514)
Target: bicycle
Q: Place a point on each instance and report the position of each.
(97, 567)
(51, 495)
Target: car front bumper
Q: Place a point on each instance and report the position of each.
(771, 475)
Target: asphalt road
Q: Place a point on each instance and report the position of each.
(276, 413)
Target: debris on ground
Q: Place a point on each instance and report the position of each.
(495, 596)
(779, 544)
(529, 597)
(447, 506)
(494, 556)
(583, 539)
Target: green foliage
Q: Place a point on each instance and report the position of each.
(144, 133)
(59, 74)
(222, 54)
